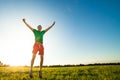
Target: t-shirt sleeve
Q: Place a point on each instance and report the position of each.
(43, 31)
(34, 30)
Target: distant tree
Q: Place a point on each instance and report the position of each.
(1, 64)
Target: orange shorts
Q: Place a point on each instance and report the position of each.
(38, 47)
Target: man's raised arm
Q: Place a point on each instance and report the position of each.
(27, 25)
(50, 27)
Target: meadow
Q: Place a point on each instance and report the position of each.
(101, 72)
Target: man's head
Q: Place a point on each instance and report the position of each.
(39, 27)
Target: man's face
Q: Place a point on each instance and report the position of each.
(39, 28)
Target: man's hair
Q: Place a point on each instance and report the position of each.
(39, 25)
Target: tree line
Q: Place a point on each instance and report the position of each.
(75, 65)
(67, 65)
(3, 65)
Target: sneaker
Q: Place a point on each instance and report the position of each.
(31, 75)
(40, 74)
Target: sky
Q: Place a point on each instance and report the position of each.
(86, 31)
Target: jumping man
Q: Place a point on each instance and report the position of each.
(38, 45)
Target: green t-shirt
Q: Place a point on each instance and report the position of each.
(38, 35)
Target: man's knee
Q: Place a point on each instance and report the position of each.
(33, 56)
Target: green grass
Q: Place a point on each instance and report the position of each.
(108, 72)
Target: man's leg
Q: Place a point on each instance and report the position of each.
(41, 64)
(32, 62)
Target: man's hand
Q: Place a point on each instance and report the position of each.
(23, 19)
(53, 23)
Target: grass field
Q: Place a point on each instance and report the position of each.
(102, 72)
